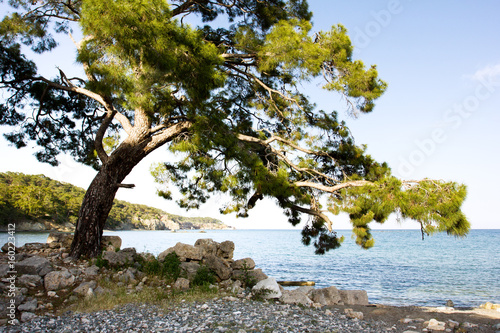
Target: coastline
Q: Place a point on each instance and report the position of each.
(45, 306)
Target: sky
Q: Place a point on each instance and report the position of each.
(438, 119)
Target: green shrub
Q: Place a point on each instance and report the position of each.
(203, 277)
(100, 262)
(246, 279)
(169, 269)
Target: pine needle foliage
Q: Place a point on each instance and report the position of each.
(226, 95)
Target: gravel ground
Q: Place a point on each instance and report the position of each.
(219, 315)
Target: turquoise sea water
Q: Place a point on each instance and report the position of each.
(400, 270)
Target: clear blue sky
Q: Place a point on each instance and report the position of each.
(438, 119)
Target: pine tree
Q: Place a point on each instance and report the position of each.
(226, 96)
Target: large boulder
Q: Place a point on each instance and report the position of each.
(207, 246)
(267, 289)
(121, 258)
(295, 297)
(63, 238)
(184, 251)
(111, 243)
(189, 269)
(28, 305)
(219, 266)
(34, 265)
(246, 263)
(85, 288)
(254, 274)
(354, 297)
(326, 296)
(58, 280)
(28, 280)
(181, 284)
(226, 250)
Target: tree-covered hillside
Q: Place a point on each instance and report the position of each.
(38, 198)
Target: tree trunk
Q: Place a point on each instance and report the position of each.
(99, 197)
(98, 201)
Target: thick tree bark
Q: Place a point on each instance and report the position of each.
(98, 201)
(99, 197)
(94, 211)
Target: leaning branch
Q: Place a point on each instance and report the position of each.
(168, 134)
(273, 138)
(312, 212)
(127, 126)
(335, 188)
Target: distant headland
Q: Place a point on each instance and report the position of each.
(38, 203)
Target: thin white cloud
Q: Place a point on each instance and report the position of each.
(487, 73)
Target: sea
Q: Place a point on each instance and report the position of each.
(401, 269)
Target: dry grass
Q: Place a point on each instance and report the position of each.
(165, 298)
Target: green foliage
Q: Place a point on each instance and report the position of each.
(203, 277)
(226, 97)
(260, 294)
(169, 268)
(434, 204)
(37, 197)
(246, 278)
(100, 262)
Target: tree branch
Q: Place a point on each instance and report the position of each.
(312, 212)
(273, 138)
(167, 135)
(127, 126)
(332, 189)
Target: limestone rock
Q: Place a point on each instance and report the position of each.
(29, 305)
(255, 274)
(128, 276)
(27, 316)
(354, 297)
(58, 280)
(120, 258)
(189, 269)
(34, 265)
(268, 288)
(181, 284)
(435, 325)
(184, 251)
(242, 263)
(350, 313)
(326, 296)
(295, 297)
(63, 238)
(91, 271)
(226, 250)
(218, 266)
(306, 290)
(207, 246)
(30, 280)
(111, 243)
(28, 247)
(84, 288)
(8, 246)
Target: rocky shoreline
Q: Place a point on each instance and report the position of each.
(41, 296)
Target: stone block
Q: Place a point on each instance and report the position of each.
(326, 296)
(34, 265)
(207, 246)
(58, 280)
(241, 263)
(218, 266)
(268, 289)
(354, 297)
